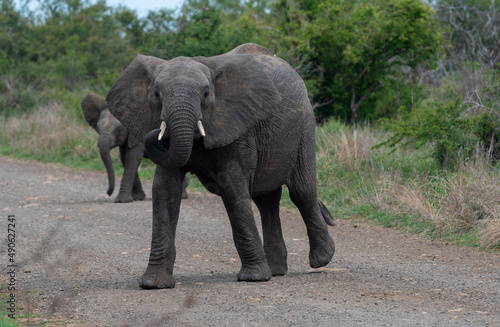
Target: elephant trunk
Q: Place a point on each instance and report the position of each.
(174, 154)
(105, 145)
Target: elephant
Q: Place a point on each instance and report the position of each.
(112, 134)
(242, 123)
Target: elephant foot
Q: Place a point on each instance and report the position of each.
(138, 195)
(260, 273)
(277, 263)
(124, 198)
(278, 270)
(321, 254)
(185, 194)
(157, 277)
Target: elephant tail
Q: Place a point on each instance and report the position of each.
(326, 214)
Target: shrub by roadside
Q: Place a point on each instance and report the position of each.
(406, 187)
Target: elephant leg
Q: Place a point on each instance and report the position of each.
(274, 244)
(321, 245)
(167, 192)
(303, 192)
(247, 240)
(235, 195)
(129, 188)
(137, 191)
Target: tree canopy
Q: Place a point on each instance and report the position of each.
(359, 59)
(363, 46)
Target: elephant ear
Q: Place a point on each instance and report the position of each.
(128, 98)
(92, 105)
(244, 95)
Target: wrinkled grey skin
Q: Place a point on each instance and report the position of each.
(260, 135)
(112, 134)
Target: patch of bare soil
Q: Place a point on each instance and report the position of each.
(79, 256)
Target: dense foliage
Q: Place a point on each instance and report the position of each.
(362, 49)
(458, 131)
(69, 45)
(453, 137)
(349, 53)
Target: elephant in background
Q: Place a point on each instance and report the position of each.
(243, 124)
(112, 134)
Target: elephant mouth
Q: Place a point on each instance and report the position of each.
(163, 129)
(171, 149)
(164, 142)
(159, 151)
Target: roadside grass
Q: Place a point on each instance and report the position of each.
(23, 316)
(402, 188)
(5, 321)
(51, 133)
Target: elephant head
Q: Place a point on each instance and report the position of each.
(217, 98)
(111, 132)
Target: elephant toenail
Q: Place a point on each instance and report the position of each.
(256, 277)
(147, 284)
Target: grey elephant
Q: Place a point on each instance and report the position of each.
(112, 134)
(243, 124)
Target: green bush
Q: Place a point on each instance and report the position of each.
(454, 137)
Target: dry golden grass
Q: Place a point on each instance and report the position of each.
(473, 201)
(458, 202)
(472, 195)
(490, 234)
(354, 147)
(404, 198)
(350, 146)
(45, 130)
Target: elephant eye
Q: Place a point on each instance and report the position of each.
(206, 93)
(157, 95)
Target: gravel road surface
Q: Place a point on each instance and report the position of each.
(79, 257)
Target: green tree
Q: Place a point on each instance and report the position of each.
(454, 137)
(15, 35)
(204, 27)
(78, 39)
(360, 47)
(67, 45)
(17, 81)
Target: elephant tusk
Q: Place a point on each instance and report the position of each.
(200, 128)
(163, 127)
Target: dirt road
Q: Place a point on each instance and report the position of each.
(79, 257)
